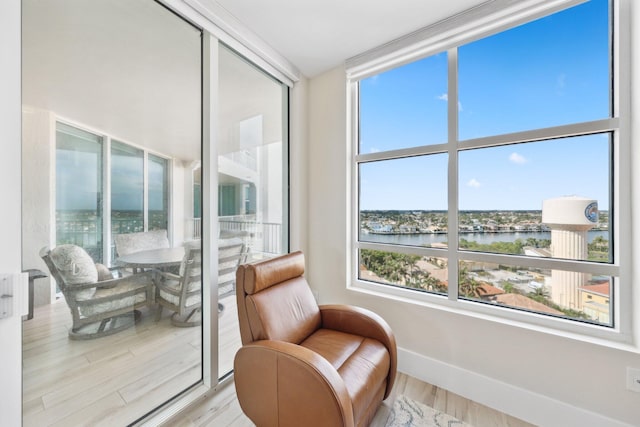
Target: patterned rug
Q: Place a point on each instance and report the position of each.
(409, 413)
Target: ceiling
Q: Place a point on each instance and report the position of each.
(131, 69)
(316, 36)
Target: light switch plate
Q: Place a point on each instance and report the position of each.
(633, 379)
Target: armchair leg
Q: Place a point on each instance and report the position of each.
(99, 328)
(158, 313)
(195, 314)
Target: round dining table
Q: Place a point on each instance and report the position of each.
(153, 258)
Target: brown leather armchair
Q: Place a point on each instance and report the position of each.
(302, 364)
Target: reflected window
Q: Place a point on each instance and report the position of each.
(79, 192)
(127, 189)
(158, 180)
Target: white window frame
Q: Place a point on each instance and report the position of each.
(447, 36)
(107, 140)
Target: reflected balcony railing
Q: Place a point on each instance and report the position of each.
(261, 237)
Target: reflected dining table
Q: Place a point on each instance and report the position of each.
(158, 259)
(153, 258)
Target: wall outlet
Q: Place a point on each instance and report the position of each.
(633, 379)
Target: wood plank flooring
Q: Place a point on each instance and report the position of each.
(114, 380)
(223, 408)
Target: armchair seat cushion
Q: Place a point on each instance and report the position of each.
(176, 286)
(92, 308)
(363, 364)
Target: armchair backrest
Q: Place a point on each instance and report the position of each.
(71, 265)
(191, 271)
(135, 242)
(231, 253)
(275, 301)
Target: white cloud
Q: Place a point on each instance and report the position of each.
(473, 183)
(374, 150)
(445, 97)
(517, 158)
(562, 81)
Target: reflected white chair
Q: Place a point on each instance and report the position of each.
(181, 292)
(100, 304)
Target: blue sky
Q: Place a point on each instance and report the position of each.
(78, 181)
(550, 72)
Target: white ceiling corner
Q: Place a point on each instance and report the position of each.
(317, 36)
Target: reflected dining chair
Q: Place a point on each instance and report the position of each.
(100, 304)
(181, 292)
(129, 243)
(231, 253)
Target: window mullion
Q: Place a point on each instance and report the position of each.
(452, 131)
(145, 197)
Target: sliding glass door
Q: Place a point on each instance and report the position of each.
(113, 178)
(112, 107)
(252, 179)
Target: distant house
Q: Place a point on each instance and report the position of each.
(595, 301)
(521, 301)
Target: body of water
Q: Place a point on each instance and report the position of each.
(483, 238)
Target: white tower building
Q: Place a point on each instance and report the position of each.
(569, 219)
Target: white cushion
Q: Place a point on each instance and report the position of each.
(174, 299)
(116, 304)
(76, 267)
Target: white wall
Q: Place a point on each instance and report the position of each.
(567, 378)
(10, 329)
(38, 192)
(299, 167)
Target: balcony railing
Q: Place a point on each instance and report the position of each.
(262, 237)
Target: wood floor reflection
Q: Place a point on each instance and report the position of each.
(113, 380)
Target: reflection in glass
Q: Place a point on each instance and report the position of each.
(423, 273)
(158, 193)
(132, 72)
(79, 189)
(571, 294)
(127, 189)
(404, 107)
(549, 72)
(252, 179)
(508, 196)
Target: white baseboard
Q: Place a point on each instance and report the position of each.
(520, 403)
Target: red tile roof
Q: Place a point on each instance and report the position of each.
(600, 289)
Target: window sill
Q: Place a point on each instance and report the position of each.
(611, 338)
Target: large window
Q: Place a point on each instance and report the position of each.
(487, 172)
(139, 196)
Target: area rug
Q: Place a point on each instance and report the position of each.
(409, 413)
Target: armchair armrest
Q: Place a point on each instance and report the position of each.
(363, 322)
(167, 275)
(268, 375)
(139, 279)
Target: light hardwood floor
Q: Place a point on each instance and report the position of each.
(114, 380)
(223, 408)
